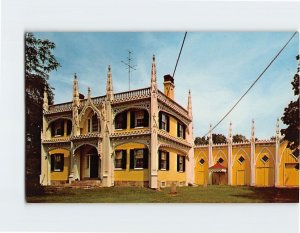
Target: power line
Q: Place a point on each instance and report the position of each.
(179, 54)
(253, 83)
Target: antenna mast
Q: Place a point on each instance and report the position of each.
(129, 66)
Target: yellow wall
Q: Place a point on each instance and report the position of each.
(288, 174)
(172, 174)
(264, 172)
(63, 175)
(132, 174)
(220, 151)
(241, 172)
(201, 171)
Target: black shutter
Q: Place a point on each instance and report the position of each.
(62, 123)
(132, 119)
(124, 123)
(178, 132)
(168, 124)
(178, 163)
(145, 158)
(69, 127)
(124, 159)
(131, 159)
(146, 118)
(52, 157)
(159, 159)
(160, 119)
(168, 160)
(62, 160)
(184, 163)
(184, 129)
(52, 129)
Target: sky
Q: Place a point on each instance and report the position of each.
(218, 67)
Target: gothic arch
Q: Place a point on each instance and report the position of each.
(236, 154)
(261, 151)
(218, 156)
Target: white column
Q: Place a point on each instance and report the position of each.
(153, 128)
(252, 164)
(277, 155)
(191, 159)
(229, 169)
(210, 144)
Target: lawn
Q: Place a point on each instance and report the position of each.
(210, 194)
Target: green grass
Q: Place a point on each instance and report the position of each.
(210, 194)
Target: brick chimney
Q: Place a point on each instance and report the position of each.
(169, 86)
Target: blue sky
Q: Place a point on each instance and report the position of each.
(217, 67)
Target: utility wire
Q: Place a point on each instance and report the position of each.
(179, 53)
(252, 83)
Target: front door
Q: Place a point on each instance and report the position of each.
(94, 164)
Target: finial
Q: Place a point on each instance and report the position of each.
(75, 76)
(108, 68)
(153, 58)
(89, 92)
(189, 91)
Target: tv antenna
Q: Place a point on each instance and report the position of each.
(130, 67)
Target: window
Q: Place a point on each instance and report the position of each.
(180, 130)
(92, 124)
(163, 157)
(241, 159)
(180, 163)
(138, 158)
(164, 121)
(88, 161)
(220, 160)
(121, 121)
(265, 158)
(57, 128)
(120, 159)
(202, 161)
(139, 119)
(57, 162)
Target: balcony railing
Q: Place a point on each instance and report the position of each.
(134, 94)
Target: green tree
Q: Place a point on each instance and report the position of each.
(239, 138)
(291, 118)
(201, 141)
(39, 62)
(218, 138)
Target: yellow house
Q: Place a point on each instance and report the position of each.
(145, 138)
(137, 138)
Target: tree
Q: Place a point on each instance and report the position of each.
(218, 138)
(201, 141)
(291, 118)
(239, 138)
(39, 62)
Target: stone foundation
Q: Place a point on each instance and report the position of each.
(132, 183)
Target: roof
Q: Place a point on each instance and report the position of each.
(218, 168)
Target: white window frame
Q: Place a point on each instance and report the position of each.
(181, 128)
(181, 163)
(163, 154)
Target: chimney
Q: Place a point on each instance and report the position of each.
(169, 86)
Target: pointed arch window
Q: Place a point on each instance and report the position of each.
(93, 125)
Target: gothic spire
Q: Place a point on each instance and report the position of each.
(109, 86)
(89, 93)
(189, 106)
(75, 91)
(210, 135)
(153, 74)
(230, 132)
(252, 132)
(45, 104)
